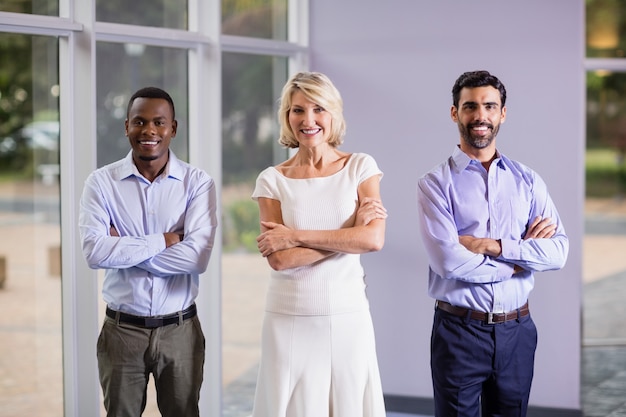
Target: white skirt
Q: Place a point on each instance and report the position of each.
(318, 366)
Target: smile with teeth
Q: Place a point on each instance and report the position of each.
(310, 131)
(481, 128)
(148, 142)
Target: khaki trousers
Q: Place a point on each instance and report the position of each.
(173, 354)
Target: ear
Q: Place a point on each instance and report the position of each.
(174, 127)
(454, 114)
(503, 118)
(126, 127)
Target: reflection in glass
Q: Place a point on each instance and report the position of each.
(122, 69)
(251, 87)
(606, 28)
(265, 19)
(605, 209)
(31, 374)
(41, 7)
(157, 13)
(606, 134)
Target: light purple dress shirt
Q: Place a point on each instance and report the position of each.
(142, 276)
(460, 197)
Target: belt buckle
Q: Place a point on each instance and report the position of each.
(489, 319)
(153, 323)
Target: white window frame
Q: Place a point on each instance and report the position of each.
(609, 64)
(78, 33)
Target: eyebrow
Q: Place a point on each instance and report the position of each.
(303, 106)
(488, 103)
(159, 117)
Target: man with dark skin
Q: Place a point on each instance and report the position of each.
(149, 220)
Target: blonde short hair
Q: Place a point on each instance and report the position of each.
(318, 88)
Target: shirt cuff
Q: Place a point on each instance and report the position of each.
(510, 250)
(156, 243)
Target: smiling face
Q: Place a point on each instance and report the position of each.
(150, 127)
(310, 123)
(478, 116)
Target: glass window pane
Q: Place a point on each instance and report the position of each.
(606, 134)
(605, 208)
(157, 13)
(31, 373)
(251, 87)
(42, 7)
(122, 69)
(258, 18)
(606, 28)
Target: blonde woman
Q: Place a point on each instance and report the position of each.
(319, 211)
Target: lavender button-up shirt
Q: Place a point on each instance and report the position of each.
(460, 197)
(142, 276)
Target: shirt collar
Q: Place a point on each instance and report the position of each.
(461, 160)
(128, 168)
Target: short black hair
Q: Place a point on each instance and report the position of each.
(473, 79)
(151, 92)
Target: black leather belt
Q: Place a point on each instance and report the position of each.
(152, 322)
(487, 318)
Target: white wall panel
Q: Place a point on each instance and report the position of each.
(395, 63)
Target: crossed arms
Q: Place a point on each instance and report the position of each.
(287, 248)
(161, 254)
(540, 228)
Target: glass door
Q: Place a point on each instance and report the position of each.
(31, 370)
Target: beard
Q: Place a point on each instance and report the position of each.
(476, 141)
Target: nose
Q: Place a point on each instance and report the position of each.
(149, 128)
(480, 114)
(308, 118)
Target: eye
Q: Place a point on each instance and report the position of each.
(297, 111)
(319, 110)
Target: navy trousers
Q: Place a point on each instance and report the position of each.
(482, 367)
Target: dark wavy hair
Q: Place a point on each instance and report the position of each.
(473, 79)
(151, 92)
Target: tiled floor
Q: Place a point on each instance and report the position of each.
(603, 388)
(603, 368)
(30, 379)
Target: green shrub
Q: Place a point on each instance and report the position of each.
(605, 174)
(241, 226)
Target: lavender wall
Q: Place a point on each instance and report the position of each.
(395, 62)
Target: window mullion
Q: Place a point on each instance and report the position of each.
(37, 24)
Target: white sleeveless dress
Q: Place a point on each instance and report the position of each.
(318, 353)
